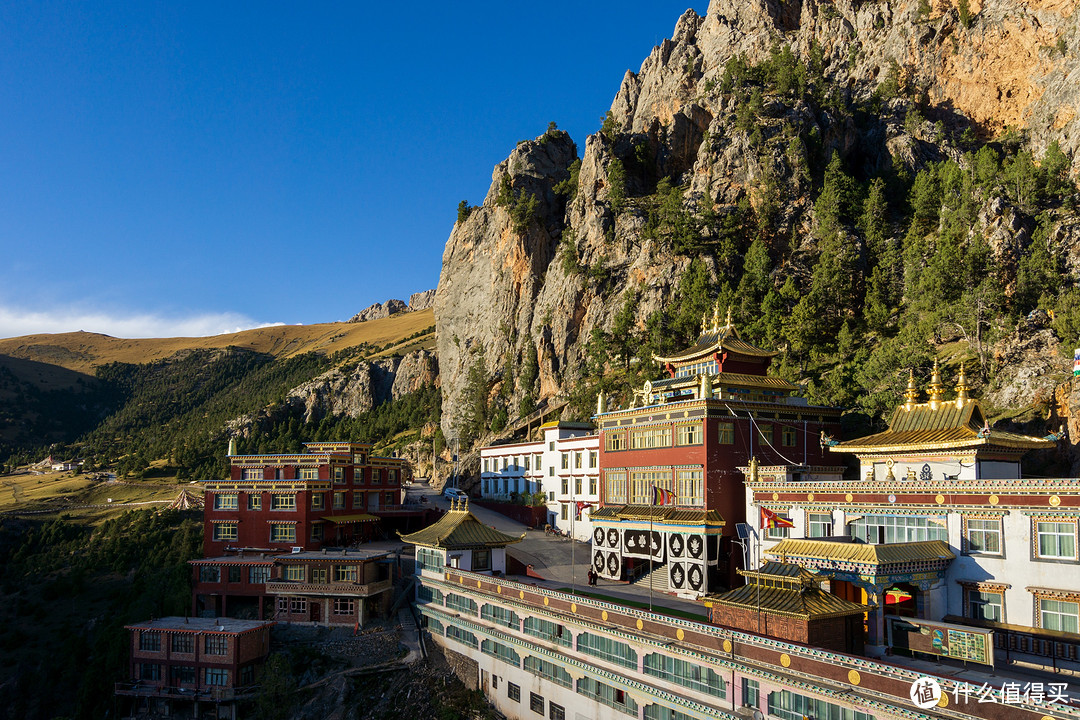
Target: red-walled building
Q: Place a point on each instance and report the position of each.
(672, 493)
(333, 494)
(179, 661)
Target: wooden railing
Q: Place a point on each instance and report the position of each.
(285, 587)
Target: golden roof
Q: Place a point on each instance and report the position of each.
(729, 379)
(714, 338)
(805, 603)
(861, 553)
(939, 425)
(659, 513)
(460, 530)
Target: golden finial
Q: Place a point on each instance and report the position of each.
(936, 390)
(961, 388)
(753, 469)
(453, 504)
(728, 323)
(911, 396)
(704, 322)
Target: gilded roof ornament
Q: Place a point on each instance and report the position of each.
(936, 391)
(911, 395)
(961, 388)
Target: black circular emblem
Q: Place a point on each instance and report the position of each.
(675, 545)
(695, 546)
(695, 577)
(598, 536)
(678, 577)
(598, 561)
(613, 537)
(613, 565)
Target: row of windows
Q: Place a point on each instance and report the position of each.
(287, 501)
(688, 486)
(686, 673)
(579, 486)
(577, 459)
(504, 652)
(257, 575)
(791, 706)
(185, 674)
(428, 559)
(303, 573)
(184, 643)
(693, 434)
(310, 473)
(1050, 613)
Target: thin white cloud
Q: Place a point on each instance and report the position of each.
(15, 323)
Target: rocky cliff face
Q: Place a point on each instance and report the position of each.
(549, 282)
(417, 301)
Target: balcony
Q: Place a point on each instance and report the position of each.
(330, 589)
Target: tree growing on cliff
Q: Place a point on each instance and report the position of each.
(475, 408)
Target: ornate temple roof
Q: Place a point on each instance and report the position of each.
(726, 379)
(715, 338)
(460, 530)
(939, 424)
(658, 513)
(862, 553)
(788, 590)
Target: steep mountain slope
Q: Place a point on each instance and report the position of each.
(867, 185)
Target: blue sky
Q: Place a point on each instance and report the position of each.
(192, 168)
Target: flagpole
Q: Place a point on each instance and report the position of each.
(649, 545)
(573, 561)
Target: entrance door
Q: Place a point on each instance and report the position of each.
(316, 612)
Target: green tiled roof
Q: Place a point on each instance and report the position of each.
(460, 530)
(861, 553)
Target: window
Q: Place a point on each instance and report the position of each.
(309, 473)
(283, 501)
(1056, 540)
(487, 464)
(686, 673)
(577, 486)
(556, 712)
(481, 559)
(690, 487)
(750, 692)
(319, 575)
(513, 692)
(615, 486)
(226, 501)
(376, 476)
(659, 712)
(234, 574)
(462, 636)
(607, 649)
(358, 500)
(592, 458)
(282, 533)
(536, 703)
(787, 436)
(150, 641)
(217, 676)
(225, 531)
(258, 575)
(317, 532)
(878, 529)
(182, 674)
(339, 501)
(344, 606)
(358, 475)
(1059, 615)
(546, 630)
(461, 603)
(791, 706)
(608, 695)
(615, 441)
(564, 512)
(339, 475)
(777, 533)
(247, 675)
(642, 483)
(551, 471)
(819, 525)
(318, 501)
(209, 574)
(253, 474)
(984, 605)
(428, 559)
(764, 432)
(149, 671)
(215, 644)
(388, 499)
(183, 643)
(648, 438)
(254, 501)
(577, 460)
(298, 606)
(536, 462)
(295, 573)
(565, 461)
(592, 486)
(982, 535)
(500, 616)
(688, 434)
(504, 652)
(548, 670)
(344, 573)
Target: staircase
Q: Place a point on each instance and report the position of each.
(657, 579)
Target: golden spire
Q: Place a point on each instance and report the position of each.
(716, 317)
(936, 391)
(728, 323)
(704, 322)
(961, 388)
(911, 396)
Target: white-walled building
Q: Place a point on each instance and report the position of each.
(564, 466)
(940, 526)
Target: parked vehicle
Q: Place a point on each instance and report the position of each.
(455, 494)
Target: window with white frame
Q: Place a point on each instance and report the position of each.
(690, 487)
(565, 460)
(985, 605)
(253, 474)
(642, 483)
(777, 533)
(578, 460)
(647, 438)
(592, 458)
(1059, 615)
(1055, 540)
(819, 525)
(688, 434)
(615, 441)
(982, 535)
(615, 490)
(344, 606)
(883, 529)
